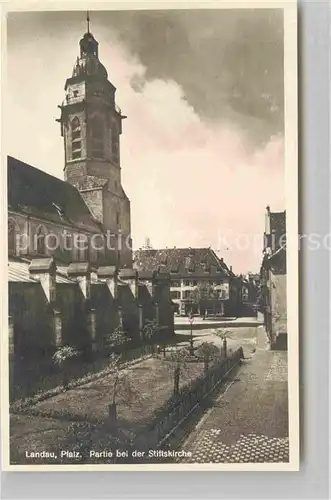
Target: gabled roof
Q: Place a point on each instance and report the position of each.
(35, 192)
(181, 262)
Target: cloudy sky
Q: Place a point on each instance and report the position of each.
(202, 148)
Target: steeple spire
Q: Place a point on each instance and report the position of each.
(88, 21)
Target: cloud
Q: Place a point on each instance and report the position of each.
(190, 181)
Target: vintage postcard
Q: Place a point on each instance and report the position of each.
(151, 312)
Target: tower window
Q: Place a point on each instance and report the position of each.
(75, 135)
(97, 137)
(76, 142)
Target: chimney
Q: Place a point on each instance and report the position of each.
(44, 271)
(222, 260)
(81, 272)
(231, 268)
(130, 276)
(109, 275)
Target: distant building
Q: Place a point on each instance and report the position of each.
(194, 271)
(273, 278)
(250, 288)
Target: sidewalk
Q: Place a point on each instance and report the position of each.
(248, 422)
(182, 323)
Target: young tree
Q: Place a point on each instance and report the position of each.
(225, 335)
(117, 338)
(120, 383)
(62, 357)
(208, 352)
(151, 330)
(179, 358)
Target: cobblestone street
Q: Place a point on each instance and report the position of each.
(248, 421)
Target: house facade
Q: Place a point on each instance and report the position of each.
(272, 301)
(200, 281)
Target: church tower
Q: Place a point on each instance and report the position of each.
(91, 125)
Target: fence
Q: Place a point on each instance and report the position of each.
(178, 408)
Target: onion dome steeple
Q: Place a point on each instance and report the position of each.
(88, 63)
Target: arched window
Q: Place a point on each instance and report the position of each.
(76, 138)
(40, 239)
(83, 247)
(11, 237)
(97, 137)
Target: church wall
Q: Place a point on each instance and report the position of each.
(27, 230)
(71, 305)
(31, 315)
(40, 324)
(107, 317)
(75, 172)
(130, 313)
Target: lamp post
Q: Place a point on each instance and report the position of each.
(191, 348)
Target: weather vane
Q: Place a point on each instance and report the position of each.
(88, 21)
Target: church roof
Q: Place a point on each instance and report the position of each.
(37, 193)
(18, 271)
(181, 262)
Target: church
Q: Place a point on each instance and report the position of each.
(86, 216)
(70, 272)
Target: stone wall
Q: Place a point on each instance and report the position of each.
(82, 310)
(278, 304)
(31, 319)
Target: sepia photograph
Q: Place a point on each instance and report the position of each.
(151, 229)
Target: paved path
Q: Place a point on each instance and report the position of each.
(249, 420)
(182, 323)
(244, 337)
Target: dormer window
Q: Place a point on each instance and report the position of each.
(174, 268)
(164, 259)
(206, 268)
